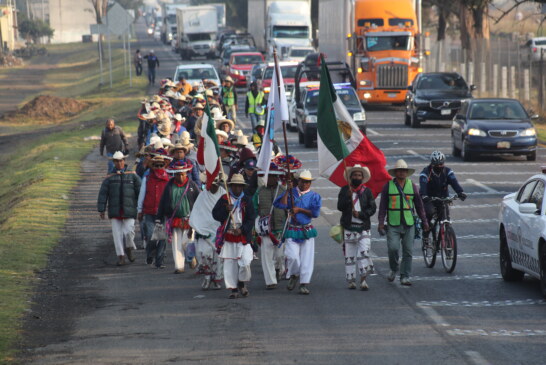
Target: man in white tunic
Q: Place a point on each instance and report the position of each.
(210, 265)
(235, 212)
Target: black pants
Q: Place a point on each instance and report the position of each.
(138, 67)
(433, 209)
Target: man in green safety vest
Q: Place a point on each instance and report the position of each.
(229, 99)
(400, 204)
(255, 104)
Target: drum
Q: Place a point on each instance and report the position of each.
(262, 225)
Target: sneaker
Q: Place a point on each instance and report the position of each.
(161, 267)
(292, 282)
(364, 285)
(352, 285)
(392, 276)
(149, 260)
(233, 295)
(304, 289)
(405, 281)
(205, 285)
(244, 291)
(271, 286)
(121, 261)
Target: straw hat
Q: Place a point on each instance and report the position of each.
(164, 128)
(166, 142)
(180, 97)
(199, 106)
(154, 139)
(222, 133)
(306, 175)
(237, 179)
(209, 93)
(156, 99)
(219, 122)
(228, 79)
(151, 115)
(364, 170)
(261, 123)
(195, 84)
(401, 165)
(170, 94)
(179, 117)
(241, 141)
(186, 135)
(179, 166)
(118, 156)
(183, 144)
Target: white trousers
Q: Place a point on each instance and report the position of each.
(272, 258)
(179, 241)
(209, 263)
(123, 230)
(300, 259)
(357, 254)
(237, 258)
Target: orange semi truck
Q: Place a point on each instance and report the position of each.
(379, 39)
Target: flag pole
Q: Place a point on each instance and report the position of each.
(288, 178)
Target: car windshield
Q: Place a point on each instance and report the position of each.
(504, 109)
(442, 82)
(540, 42)
(247, 59)
(257, 72)
(196, 73)
(171, 18)
(400, 42)
(290, 32)
(288, 72)
(300, 52)
(311, 99)
(199, 37)
(348, 97)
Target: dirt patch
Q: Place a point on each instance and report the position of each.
(49, 108)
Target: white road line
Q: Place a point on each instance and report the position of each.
(459, 256)
(483, 186)
(467, 237)
(369, 130)
(475, 206)
(328, 211)
(496, 333)
(456, 277)
(484, 303)
(476, 358)
(422, 157)
(434, 316)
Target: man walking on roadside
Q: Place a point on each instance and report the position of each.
(112, 139)
(400, 203)
(120, 192)
(137, 60)
(229, 99)
(153, 62)
(254, 104)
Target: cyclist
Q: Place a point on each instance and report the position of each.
(434, 181)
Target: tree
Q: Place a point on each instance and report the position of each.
(33, 29)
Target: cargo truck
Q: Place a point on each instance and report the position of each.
(168, 12)
(197, 28)
(280, 24)
(379, 39)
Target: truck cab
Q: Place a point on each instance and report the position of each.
(288, 25)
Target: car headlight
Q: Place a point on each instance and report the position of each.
(311, 119)
(365, 83)
(267, 90)
(529, 132)
(235, 72)
(359, 116)
(476, 132)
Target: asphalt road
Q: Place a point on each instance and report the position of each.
(471, 316)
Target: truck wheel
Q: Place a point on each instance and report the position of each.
(308, 140)
(300, 136)
(407, 119)
(532, 156)
(415, 123)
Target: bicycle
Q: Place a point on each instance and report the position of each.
(443, 237)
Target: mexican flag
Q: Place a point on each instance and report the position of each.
(208, 152)
(340, 139)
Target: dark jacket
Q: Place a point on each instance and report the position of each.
(345, 205)
(153, 61)
(114, 140)
(165, 209)
(220, 213)
(120, 192)
(433, 185)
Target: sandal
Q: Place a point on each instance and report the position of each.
(233, 296)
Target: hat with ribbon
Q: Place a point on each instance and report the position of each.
(228, 146)
(179, 166)
(273, 170)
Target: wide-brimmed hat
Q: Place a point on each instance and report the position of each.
(166, 142)
(273, 170)
(227, 146)
(363, 169)
(285, 162)
(241, 141)
(164, 128)
(118, 155)
(183, 144)
(156, 99)
(199, 106)
(159, 158)
(196, 84)
(222, 121)
(180, 97)
(149, 116)
(306, 175)
(228, 79)
(209, 93)
(261, 123)
(222, 133)
(401, 165)
(199, 97)
(179, 166)
(144, 150)
(170, 94)
(179, 117)
(237, 179)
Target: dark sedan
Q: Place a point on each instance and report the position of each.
(493, 126)
(435, 95)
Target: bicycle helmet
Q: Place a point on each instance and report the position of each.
(437, 158)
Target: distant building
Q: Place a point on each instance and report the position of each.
(7, 29)
(70, 19)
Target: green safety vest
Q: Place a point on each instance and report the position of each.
(253, 102)
(394, 206)
(228, 96)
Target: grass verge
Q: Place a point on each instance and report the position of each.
(37, 178)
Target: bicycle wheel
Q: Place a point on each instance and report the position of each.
(429, 251)
(448, 246)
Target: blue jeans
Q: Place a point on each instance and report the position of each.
(151, 75)
(110, 163)
(148, 224)
(400, 236)
(254, 120)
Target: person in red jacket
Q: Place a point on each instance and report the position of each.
(151, 191)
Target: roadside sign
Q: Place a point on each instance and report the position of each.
(97, 28)
(118, 20)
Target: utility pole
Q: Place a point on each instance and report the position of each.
(419, 10)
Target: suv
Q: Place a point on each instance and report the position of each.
(435, 95)
(532, 49)
(240, 65)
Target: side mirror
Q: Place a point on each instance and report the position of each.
(473, 87)
(535, 116)
(410, 88)
(528, 208)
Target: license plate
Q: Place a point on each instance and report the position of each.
(445, 111)
(392, 95)
(503, 144)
